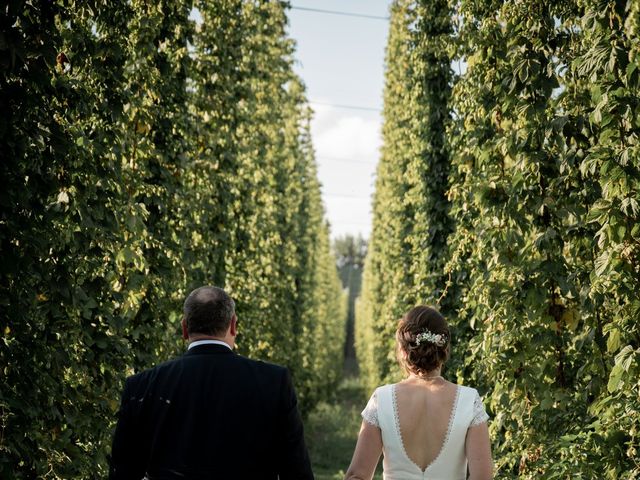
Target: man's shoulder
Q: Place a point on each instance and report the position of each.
(262, 374)
(145, 375)
(263, 366)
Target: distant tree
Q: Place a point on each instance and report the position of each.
(350, 250)
(350, 253)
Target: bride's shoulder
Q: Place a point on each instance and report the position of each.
(467, 390)
(466, 387)
(383, 388)
(474, 399)
(386, 386)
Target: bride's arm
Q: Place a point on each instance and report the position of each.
(478, 450)
(367, 453)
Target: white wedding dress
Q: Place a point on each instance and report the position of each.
(451, 462)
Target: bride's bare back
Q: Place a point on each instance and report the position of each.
(426, 426)
(424, 410)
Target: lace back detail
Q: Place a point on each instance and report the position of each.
(396, 417)
(451, 418)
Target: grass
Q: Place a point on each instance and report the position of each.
(332, 431)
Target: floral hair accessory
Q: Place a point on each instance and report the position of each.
(440, 339)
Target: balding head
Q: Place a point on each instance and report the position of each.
(208, 311)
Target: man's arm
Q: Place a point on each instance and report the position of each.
(127, 453)
(294, 459)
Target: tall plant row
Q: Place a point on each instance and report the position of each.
(540, 271)
(149, 148)
(406, 252)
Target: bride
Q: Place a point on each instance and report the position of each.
(427, 427)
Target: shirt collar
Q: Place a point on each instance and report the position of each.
(208, 342)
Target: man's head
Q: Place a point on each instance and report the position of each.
(208, 312)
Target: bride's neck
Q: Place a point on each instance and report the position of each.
(430, 376)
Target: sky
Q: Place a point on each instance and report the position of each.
(341, 61)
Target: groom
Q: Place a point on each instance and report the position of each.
(209, 414)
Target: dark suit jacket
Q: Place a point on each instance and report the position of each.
(210, 414)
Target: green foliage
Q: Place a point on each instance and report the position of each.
(144, 155)
(410, 229)
(544, 185)
(331, 431)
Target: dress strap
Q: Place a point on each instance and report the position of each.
(394, 457)
(385, 409)
(459, 422)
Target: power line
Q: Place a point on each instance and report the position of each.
(343, 14)
(339, 195)
(345, 160)
(347, 222)
(350, 107)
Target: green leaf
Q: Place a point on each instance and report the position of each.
(613, 340)
(615, 377)
(602, 263)
(63, 197)
(625, 358)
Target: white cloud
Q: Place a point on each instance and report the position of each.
(347, 149)
(351, 137)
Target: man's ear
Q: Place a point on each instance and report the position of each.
(185, 334)
(233, 328)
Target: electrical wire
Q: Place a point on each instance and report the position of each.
(346, 222)
(343, 14)
(345, 160)
(338, 195)
(350, 107)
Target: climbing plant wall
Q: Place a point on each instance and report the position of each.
(543, 185)
(149, 148)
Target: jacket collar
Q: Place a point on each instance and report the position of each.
(209, 349)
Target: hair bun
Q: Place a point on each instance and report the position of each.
(423, 339)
